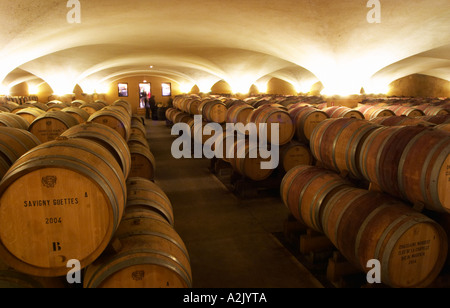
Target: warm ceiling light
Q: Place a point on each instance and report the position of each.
(4, 90)
(262, 86)
(33, 89)
(151, 66)
(186, 87)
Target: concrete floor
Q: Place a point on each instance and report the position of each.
(230, 240)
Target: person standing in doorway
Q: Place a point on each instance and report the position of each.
(152, 104)
(147, 105)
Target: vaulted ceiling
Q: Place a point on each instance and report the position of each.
(243, 42)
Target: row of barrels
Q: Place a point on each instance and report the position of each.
(147, 250)
(409, 162)
(48, 217)
(408, 101)
(236, 112)
(367, 225)
(18, 99)
(52, 124)
(56, 105)
(304, 118)
(82, 112)
(291, 151)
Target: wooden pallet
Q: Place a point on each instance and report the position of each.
(243, 186)
(247, 188)
(343, 274)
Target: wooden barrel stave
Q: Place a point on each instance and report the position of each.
(143, 163)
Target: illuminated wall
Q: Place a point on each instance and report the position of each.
(420, 86)
(133, 90)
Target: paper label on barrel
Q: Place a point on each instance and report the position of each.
(63, 218)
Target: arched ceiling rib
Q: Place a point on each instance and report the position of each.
(241, 42)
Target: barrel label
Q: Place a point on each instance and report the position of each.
(49, 181)
(50, 134)
(53, 202)
(412, 251)
(138, 275)
(56, 246)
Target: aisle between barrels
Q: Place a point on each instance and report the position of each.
(230, 241)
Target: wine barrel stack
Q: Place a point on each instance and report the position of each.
(78, 183)
(237, 146)
(379, 188)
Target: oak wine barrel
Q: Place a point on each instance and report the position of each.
(191, 106)
(169, 114)
(125, 105)
(406, 111)
(272, 115)
(213, 111)
(91, 107)
(153, 255)
(430, 110)
(239, 113)
(306, 119)
(138, 139)
(336, 143)
(50, 125)
(77, 103)
(37, 105)
(14, 143)
(424, 170)
(439, 119)
(401, 121)
(181, 117)
(304, 191)
(343, 112)
(245, 165)
(114, 118)
(106, 137)
(81, 115)
(12, 279)
(13, 120)
(143, 193)
(222, 144)
(411, 163)
(373, 112)
(138, 127)
(295, 154)
(53, 220)
(365, 225)
(445, 127)
(143, 163)
(30, 113)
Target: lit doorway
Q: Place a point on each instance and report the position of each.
(145, 91)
